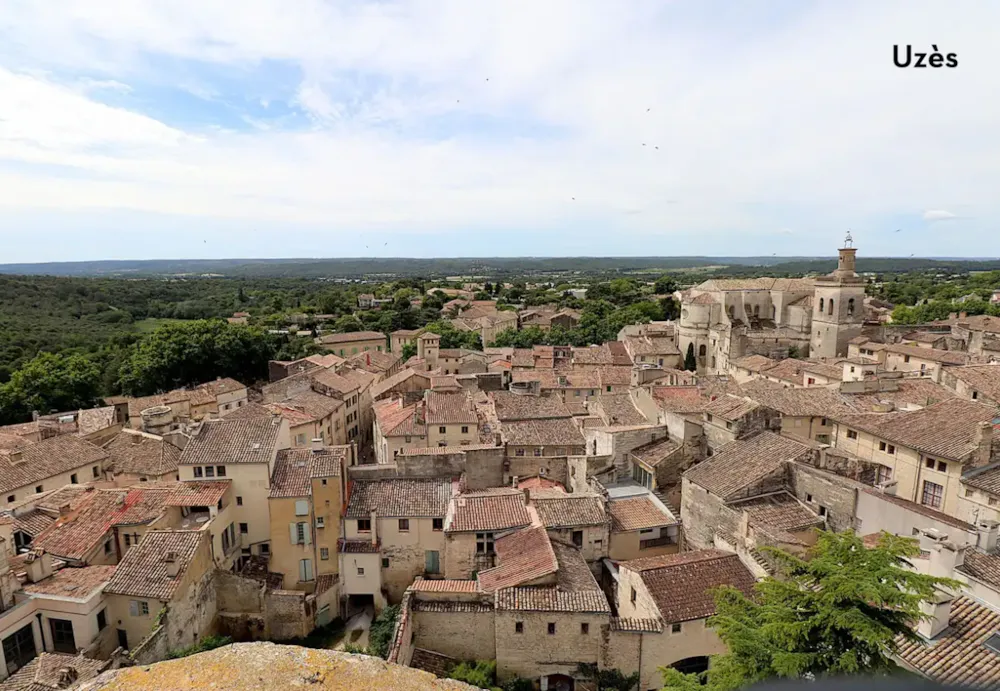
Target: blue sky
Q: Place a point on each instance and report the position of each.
(140, 129)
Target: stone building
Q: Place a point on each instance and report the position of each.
(723, 320)
(474, 522)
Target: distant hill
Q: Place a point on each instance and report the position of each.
(491, 266)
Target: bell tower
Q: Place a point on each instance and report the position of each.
(838, 306)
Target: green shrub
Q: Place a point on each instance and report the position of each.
(481, 673)
(381, 633)
(205, 644)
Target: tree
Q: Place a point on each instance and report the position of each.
(347, 324)
(48, 383)
(608, 679)
(409, 350)
(664, 286)
(840, 611)
(188, 353)
(690, 364)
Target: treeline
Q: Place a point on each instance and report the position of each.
(940, 309)
(600, 322)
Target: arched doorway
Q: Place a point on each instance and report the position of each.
(558, 682)
(692, 665)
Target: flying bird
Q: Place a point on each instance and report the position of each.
(648, 109)
(897, 230)
(644, 144)
(657, 148)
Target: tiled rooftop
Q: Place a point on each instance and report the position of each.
(295, 468)
(142, 572)
(444, 586)
(560, 432)
(76, 583)
(655, 452)
(135, 453)
(449, 408)
(396, 419)
(986, 478)
(957, 656)
(982, 566)
(637, 513)
(754, 363)
(617, 409)
(570, 511)
(779, 510)
(43, 673)
(511, 406)
(744, 462)
(207, 493)
(681, 584)
(488, 511)
(944, 429)
(812, 402)
(232, 441)
(730, 407)
(524, 556)
(39, 461)
(399, 498)
(353, 337)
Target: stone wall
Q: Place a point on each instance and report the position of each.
(152, 649)
(621, 650)
(462, 635)
(816, 488)
(401, 648)
(287, 614)
(534, 652)
(192, 615)
(618, 442)
(482, 467)
(552, 467)
(237, 593)
(248, 611)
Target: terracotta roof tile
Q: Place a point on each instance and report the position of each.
(575, 590)
(396, 419)
(294, 470)
(957, 656)
(681, 584)
(444, 586)
(986, 478)
(136, 453)
(655, 452)
(142, 572)
(945, 357)
(221, 386)
(232, 441)
(488, 511)
(637, 513)
(731, 407)
(306, 406)
(399, 498)
(635, 625)
(744, 462)
(43, 672)
(985, 379)
(39, 461)
(571, 510)
(77, 583)
(33, 522)
(207, 493)
(982, 566)
(943, 429)
(754, 363)
(451, 607)
(812, 402)
(357, 546)
(524, 556)
(779, 510)
(511, 406)
(352, 337)
(558, 432)
(618, 409)
(445, 408)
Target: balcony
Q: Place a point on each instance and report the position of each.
(657, 542)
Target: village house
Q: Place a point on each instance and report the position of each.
(573, 386)
(438, 419)
(728, 418)
(48, 464)
(805, 413)
(665, 602)
(348, 344)
(307, 492)
(577, 519)
(243, 452)
(161, 583)
(379, 363)
(473, 523)
(402, 337)
(641, 524)
(974, 382)
(651, 350)
(405, 518)
(926, 451)
(310, 415)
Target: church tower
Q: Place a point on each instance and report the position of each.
(838, 306)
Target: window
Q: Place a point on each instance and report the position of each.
(107, 547)
(19, 648)
(584, 628)
(701, 350)
(361, 571)
(62, 636)
(96, 471)
(538, 451)
(209, 471)
(407, 438)
(11, 497)
(993, 501)
(942, 467)
(220, 471)
(38, 489)
(244, 528)
(632, 596)
(552, 628)
(265, 548)
(320, 521)
(829, 308)
(851, 434)
(881, 446)
(239, 501)
(729, 425)
(465, 429)
(128, 540)
(404, 525)
(72, 479)
(821, 305)
(932, 495)
(969, 492)
(197, 471)
(300, 439)
(323, 481)
(578, 538)
(138, 608)
(883, 475)
(305, 570)
(891, 450)
(822, 511)
(364, 525)
(809, 498)
(432, 561)
(906, 358)
(102, 619)
(442, 429)
(437, 523)
(850, 307)
(642, 476)
(484, 543)
(324, 553)
(519, 452)
(301, 507)
(675, 628)
(608, 388)
(930, 463)
(385, 562)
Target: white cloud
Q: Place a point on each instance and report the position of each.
(756, 129)
(939, 215)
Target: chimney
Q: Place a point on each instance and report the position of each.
(173, 564)
(136, 438)
(374, 521)
(317, 444)
(37, 565)
(945, 557)
(16, 456)
(987, 539)
(67, 677)
(368, 359)
(937, 612)
(513, 481)
(983, 441)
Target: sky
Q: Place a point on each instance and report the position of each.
(135, 129)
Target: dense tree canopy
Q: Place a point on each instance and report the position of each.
(837, 613)
(50, 383)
